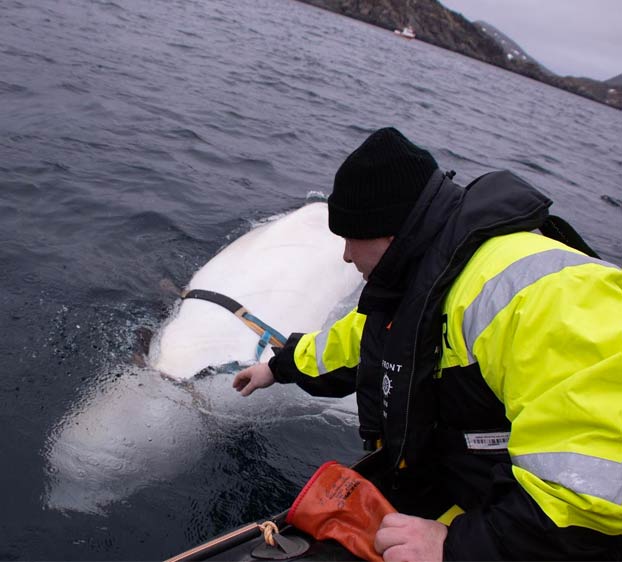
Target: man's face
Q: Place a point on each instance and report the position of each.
(365, 254)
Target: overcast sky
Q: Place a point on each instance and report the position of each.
(569, 37)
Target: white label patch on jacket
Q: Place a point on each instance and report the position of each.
(497, 441)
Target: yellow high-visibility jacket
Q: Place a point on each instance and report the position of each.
(544, 324)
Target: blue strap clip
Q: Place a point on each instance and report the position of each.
(269, 332)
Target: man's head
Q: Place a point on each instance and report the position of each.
(375, 189)
(377, 186)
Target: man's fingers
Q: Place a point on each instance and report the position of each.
(395, 520)
(241, 380)
(396, 553)
(248, 389)
(405, 537)
(387, 538)
(252, 378)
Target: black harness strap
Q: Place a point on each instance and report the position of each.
(267, 333)
(217, 298)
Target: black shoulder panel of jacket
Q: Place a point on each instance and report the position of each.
(557, 228)
(334, 384)
(511, 526)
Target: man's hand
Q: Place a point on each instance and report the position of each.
(252, 378)
(404, 538)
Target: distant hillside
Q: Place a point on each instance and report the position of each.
(511, 49)
(435, 24)
(615, 81)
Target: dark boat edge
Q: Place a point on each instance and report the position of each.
(239, 543)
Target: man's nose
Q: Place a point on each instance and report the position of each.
(346, 253)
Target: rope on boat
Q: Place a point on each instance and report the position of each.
(269, 528)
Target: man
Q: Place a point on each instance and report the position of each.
(486, 358)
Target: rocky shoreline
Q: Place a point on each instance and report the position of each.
(435, 24)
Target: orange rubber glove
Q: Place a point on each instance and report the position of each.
(338, 503)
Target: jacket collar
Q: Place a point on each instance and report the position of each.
(389, 279)
(449, 218)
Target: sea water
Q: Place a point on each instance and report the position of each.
(139, 137)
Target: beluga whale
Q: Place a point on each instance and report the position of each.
(150, 424)
(288, 273)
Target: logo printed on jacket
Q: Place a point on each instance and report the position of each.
(394, 367)
(387, 383)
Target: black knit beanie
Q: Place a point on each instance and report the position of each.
(377, 186)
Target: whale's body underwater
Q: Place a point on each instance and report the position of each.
(140, 428)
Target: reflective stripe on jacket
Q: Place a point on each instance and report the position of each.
(337, 346)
